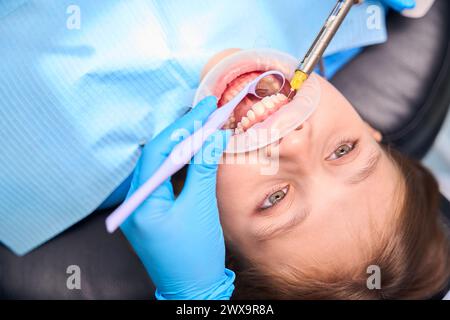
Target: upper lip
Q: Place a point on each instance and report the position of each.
(234, 72)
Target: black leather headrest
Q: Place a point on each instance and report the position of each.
(402, 86)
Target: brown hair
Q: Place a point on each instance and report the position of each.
(414, 257)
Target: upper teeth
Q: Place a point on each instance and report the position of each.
(244, 121)
(251, 115)
(258, 110)
(269, 103)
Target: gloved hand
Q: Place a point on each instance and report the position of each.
(180, 242)
(400, 5)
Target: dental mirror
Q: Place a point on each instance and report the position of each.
(269, 85)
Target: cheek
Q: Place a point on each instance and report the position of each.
(232, 199)
(227, 177)
(236, 171)
(335, 108)
(230, 218)
(337, 113)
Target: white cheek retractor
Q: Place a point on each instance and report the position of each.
(280, 123)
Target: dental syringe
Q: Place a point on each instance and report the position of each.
(321, 42)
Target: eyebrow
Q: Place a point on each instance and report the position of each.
(273, 230)
(368, 169)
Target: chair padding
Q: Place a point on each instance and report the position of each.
(393, 86)
(109, 267)
(402, 86)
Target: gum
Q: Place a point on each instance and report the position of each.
(237, 64)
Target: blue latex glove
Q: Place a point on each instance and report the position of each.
(400, 5)
(180, 242)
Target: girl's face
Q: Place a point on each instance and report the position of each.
(333, 189)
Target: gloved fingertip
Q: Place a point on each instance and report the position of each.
(210, 99)
(400, 5)
(221, 139)
(202, 110)
(412, 4)
(209, 103)
(409, 4)
(211, 152)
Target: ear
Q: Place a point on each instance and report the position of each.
(375, 133)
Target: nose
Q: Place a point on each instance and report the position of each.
(296, 144)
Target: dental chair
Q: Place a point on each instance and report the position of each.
(401, 87)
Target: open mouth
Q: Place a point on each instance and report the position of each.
(259, 122)
(251, 110)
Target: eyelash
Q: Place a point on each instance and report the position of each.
(351, 141)
(345, 140)
(270, 193)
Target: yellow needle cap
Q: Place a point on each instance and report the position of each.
(298, 79)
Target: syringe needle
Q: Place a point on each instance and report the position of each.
(290, 95)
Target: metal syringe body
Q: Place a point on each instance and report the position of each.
(323, 39)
